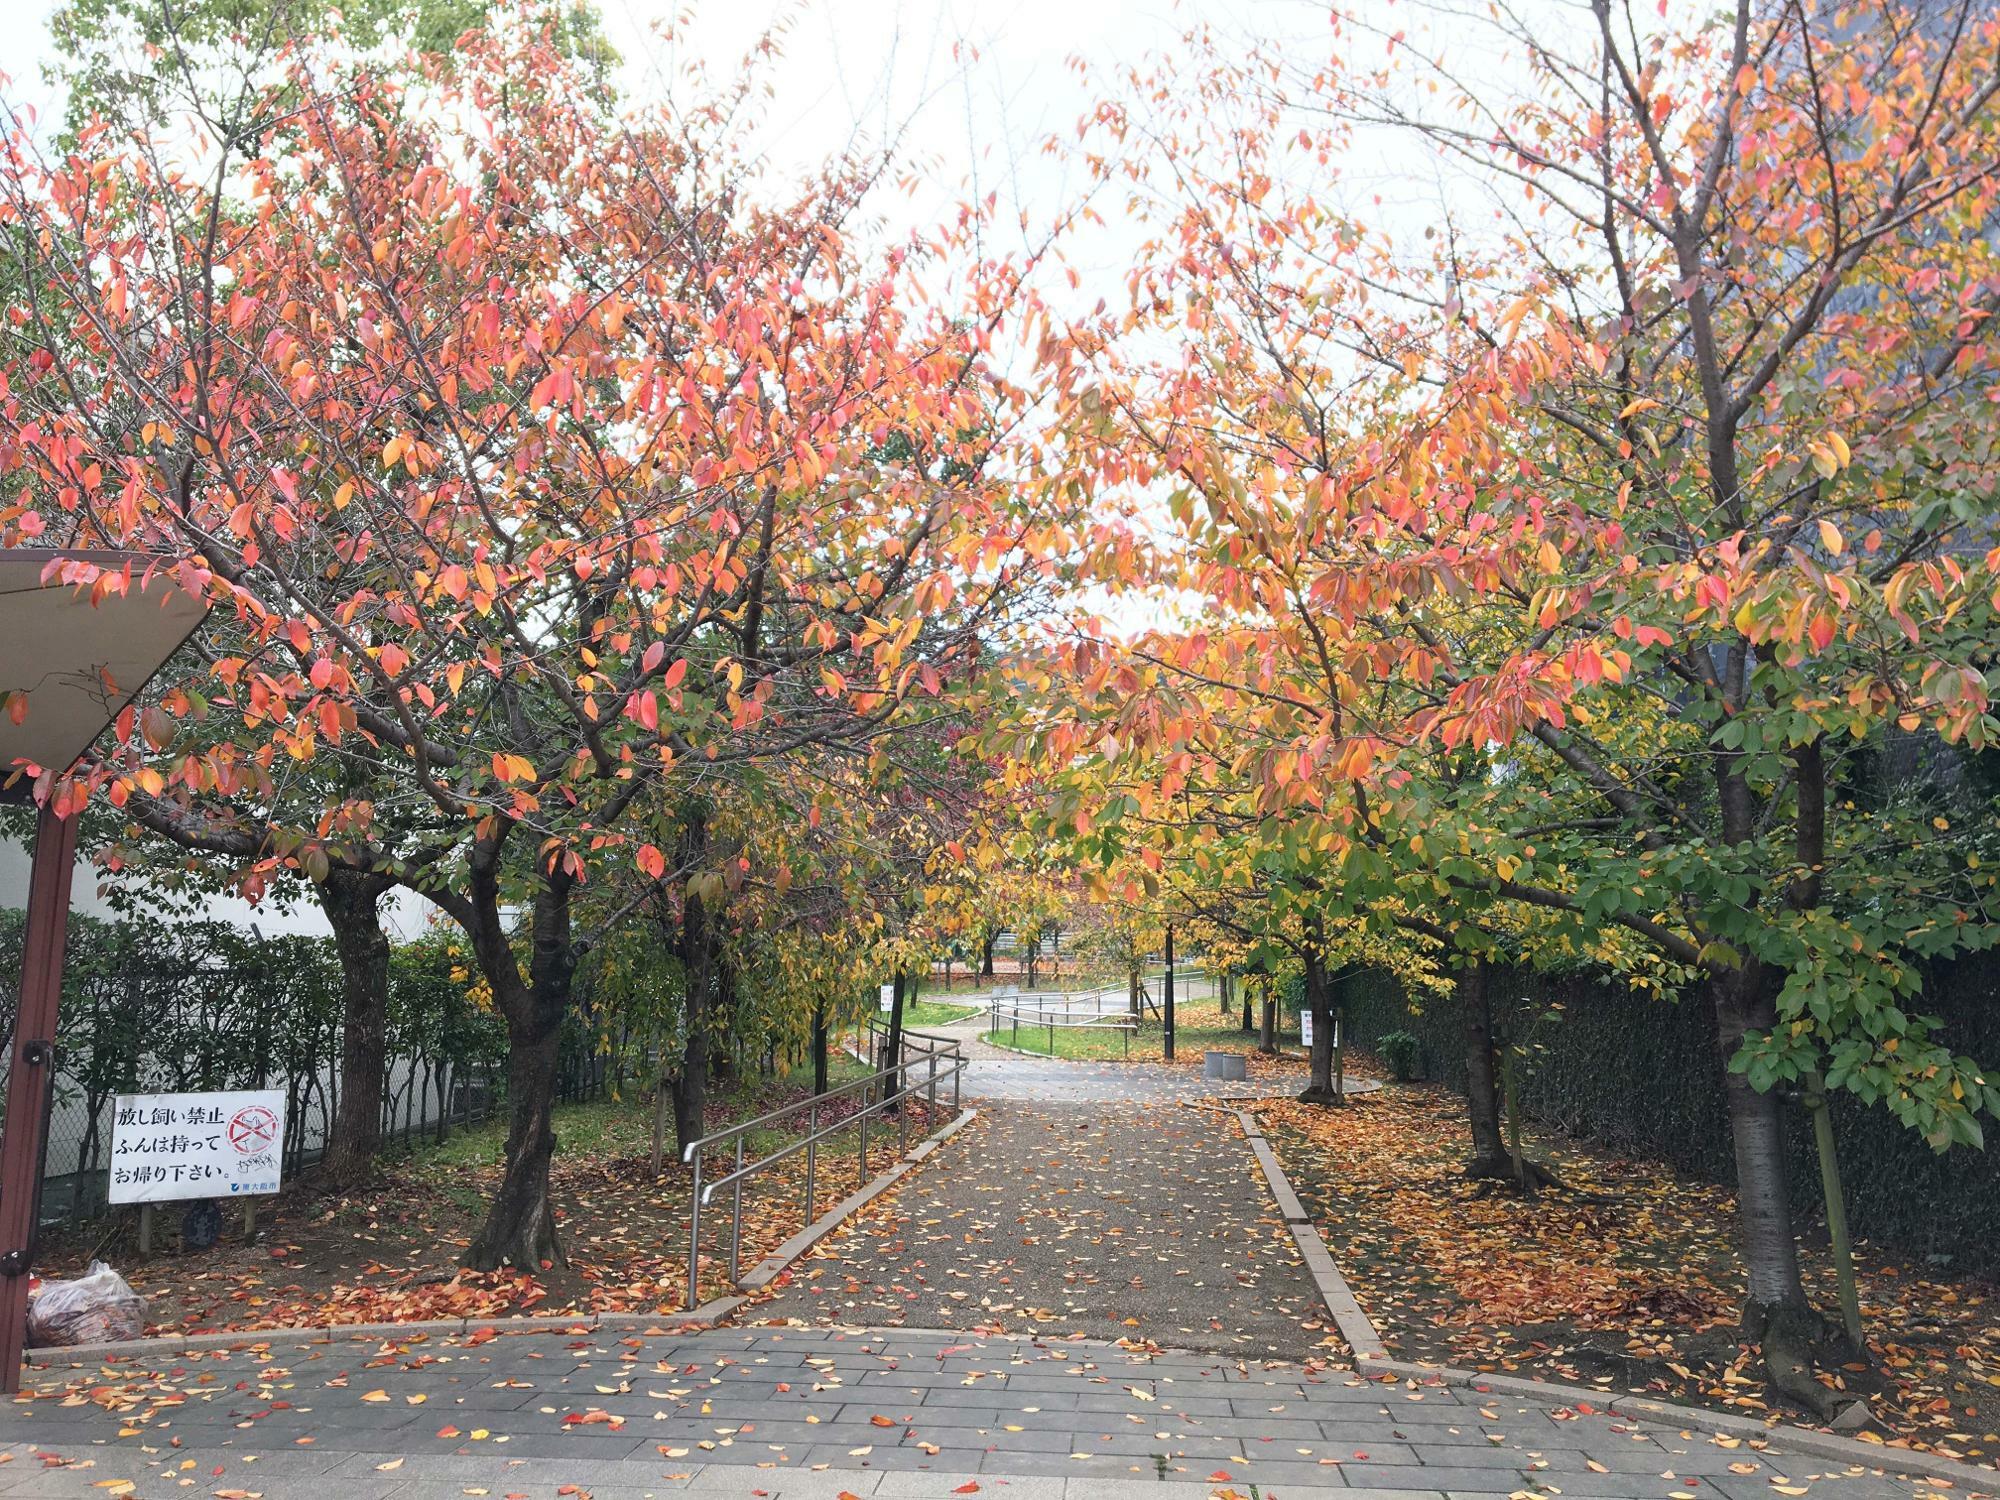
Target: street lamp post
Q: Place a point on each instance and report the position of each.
(1168, 1017)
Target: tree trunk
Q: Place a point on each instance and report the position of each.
(697, 951)
(892, 1046)
(1482, 1085)
(1322, 1089)
(351, 900)
(1267, 1041)
(819, 1049)
(986, 956)
(662, 1106)
(1248, 1024)
(520, 1227)
(1776, 1312)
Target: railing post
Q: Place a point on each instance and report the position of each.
(862, 1181)
(930, 1120)
(902, 1108)
(694, 1235)
(736, 1231)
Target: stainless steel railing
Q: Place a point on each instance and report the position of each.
(880, 1093)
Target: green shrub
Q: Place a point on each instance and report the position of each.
(1403, 1051)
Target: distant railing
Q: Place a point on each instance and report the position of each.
(879, 1094)
(1044, 1012)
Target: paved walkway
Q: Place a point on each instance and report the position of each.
(1138, 1325)
(813, 1414)
(1115, 1212)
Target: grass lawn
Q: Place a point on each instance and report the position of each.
(1194, 1033)
(937, 1013)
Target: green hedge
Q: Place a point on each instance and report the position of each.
(1640, 1076)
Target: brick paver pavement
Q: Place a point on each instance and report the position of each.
(811, 1414)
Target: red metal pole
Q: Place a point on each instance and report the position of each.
(32, 1079)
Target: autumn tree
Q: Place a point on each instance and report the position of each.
(541, 460)
(1601, 560)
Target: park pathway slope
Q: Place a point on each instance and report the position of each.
(815, 1414)
(1100, 1203)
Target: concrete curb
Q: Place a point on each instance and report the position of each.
(779, 1260)
(1369, 1360)
(703, 1316)
(706, 1315)
(1341, 1304)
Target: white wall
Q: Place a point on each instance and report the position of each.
(402, 913)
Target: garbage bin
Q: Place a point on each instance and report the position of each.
(1228, 1067)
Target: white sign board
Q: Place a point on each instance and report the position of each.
(888, 998)
(221, 1145)
(1305, 1028)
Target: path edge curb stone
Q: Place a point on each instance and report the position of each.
(1362, 1337)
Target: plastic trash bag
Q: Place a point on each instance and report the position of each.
(98, 1307)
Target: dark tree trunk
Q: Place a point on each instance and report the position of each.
(986, 956)
(1267, 1040)
(351, 900)
(1322, 1089)
(1248, 1023)
(697, 951)
(520, 1227)
(1482, 1084)
(819, 1049)
(892, 1046)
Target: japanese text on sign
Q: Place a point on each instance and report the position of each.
(218, 1145)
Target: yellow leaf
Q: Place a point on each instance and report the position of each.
(1633, 408)
(116, 1486)
(376, 1396)
(394, 1463)
(1830, 538)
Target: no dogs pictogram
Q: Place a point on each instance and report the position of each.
(252, 1128)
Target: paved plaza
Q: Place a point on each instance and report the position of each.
(1097, 1301)
(812, 1414)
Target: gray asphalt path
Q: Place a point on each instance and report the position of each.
(1124, 1214)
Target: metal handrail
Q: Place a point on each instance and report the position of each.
(742, 1171)
(1121, 1021)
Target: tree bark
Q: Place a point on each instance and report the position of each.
(1322, 1089)
(986, 956)
(1267, 1041)
(892, 1046)
(351, 900)
(1482, 1084)
(819, 1049)
(697, 951)
(520, 1227)
(1770, 1253)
